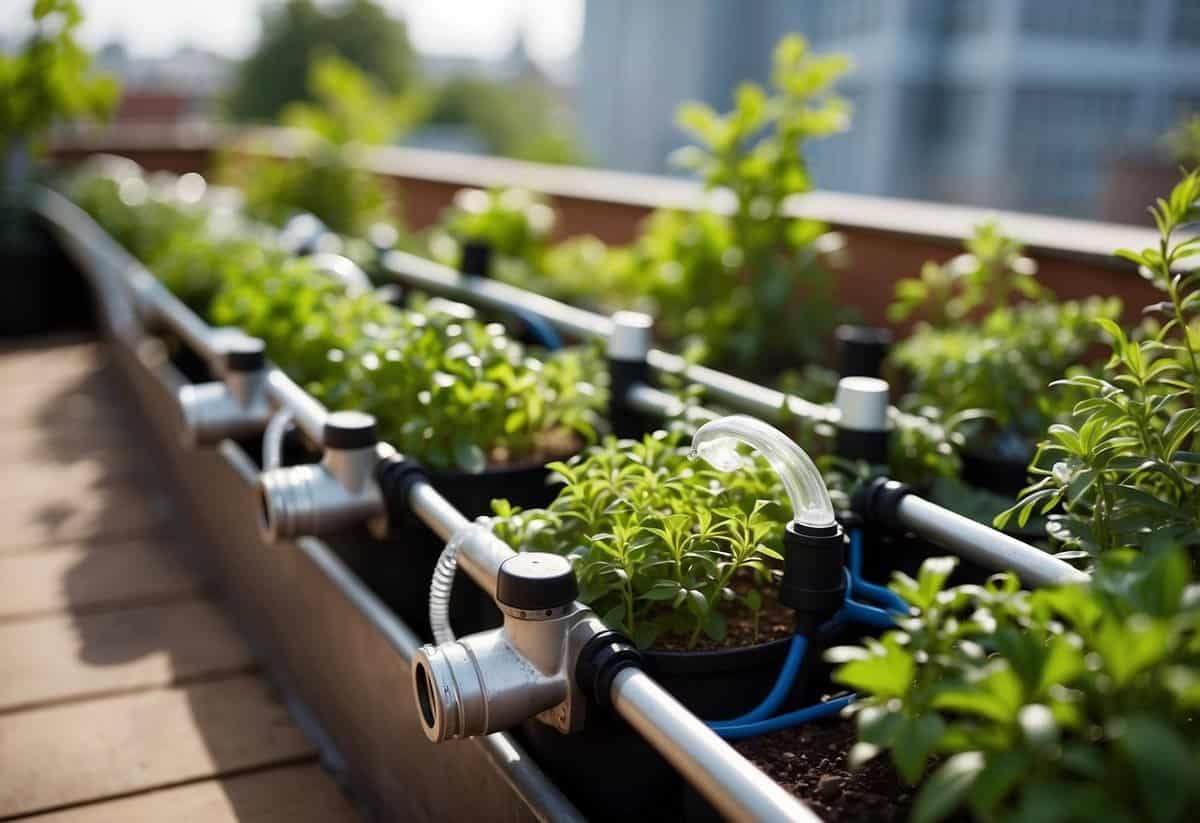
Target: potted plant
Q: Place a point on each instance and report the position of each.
(1074, 702)
(480, 411)
(46, 82)
(998, 362)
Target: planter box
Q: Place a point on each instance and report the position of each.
(340, 657)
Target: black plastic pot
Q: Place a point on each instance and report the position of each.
(399, 568)
(637, 783)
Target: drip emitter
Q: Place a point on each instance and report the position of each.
(814, 581)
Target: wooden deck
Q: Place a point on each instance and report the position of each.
(125, 693)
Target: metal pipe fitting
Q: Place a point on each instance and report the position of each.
(339, 492)
(494, 680)
(235, 408)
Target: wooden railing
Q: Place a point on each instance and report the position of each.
(888, 238)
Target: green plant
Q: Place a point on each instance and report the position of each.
(1128, 464)
(986, 275)
(1002, 364)
(454, 394)
(1073, 703)
(514, 222)
(744, 285)
(665, 548)
(47, 81)
(326, 179)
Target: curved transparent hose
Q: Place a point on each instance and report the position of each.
(716, 442)
(442, 582)
(277, 428)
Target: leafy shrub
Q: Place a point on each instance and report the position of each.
(1128, 465)
(663, 546)
(454, 394)
(746, 286)
(49, 79)
(1001, 362)
(325, 178)
(514, 222)
(1073, 703)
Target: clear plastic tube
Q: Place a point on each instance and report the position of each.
(716, 442)
(442, 582)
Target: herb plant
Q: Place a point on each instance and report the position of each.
(324, 179)
(1073, 703)
(1000, 362)
(1128, 464)
(665, 548)
(745, 285)
(455, 394)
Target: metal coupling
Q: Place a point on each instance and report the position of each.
(494, 680)
(234, 408)
(339, 492)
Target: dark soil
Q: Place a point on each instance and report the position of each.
(775, 621)
(810, 762)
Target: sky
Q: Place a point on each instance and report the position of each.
(475, 28)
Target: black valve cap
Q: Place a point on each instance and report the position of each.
(245, 354)
(350, 430)
(536, 581)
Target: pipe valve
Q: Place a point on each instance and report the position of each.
(233, 408)
(339, 492)
(493, 680)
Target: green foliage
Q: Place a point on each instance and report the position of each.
(326, 178)
(296, 32)
(1128, 464)
(664, 547)
(746, 285)
(1002, 364)
(514, 222)
(454, 394)
(1072, 703)
(987, 275)
(50, 78)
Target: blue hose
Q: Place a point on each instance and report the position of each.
(880, 594)
(779, 692)
(540, 330)
(780, 722)
(758, 720)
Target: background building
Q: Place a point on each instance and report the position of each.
(1004, 103)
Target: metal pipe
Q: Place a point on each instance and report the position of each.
(985, 545)
(740, 394)
(651, 401)
(424, 273)
(310, 415)
(737, 789)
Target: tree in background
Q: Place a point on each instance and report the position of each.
(297, 32)
(49, 80)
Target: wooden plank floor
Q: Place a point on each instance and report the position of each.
(125, 692)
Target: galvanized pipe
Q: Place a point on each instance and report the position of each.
(424, 273)
(984, 545)
(652, 401)
(308, 412)
(737, 789)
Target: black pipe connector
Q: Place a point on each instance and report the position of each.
(879, 500)
(396, 475)
(601, 659)
(623, 375)
(868, 446)
(476, 258)
(814, 577)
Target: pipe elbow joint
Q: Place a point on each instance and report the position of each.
(320, 498)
